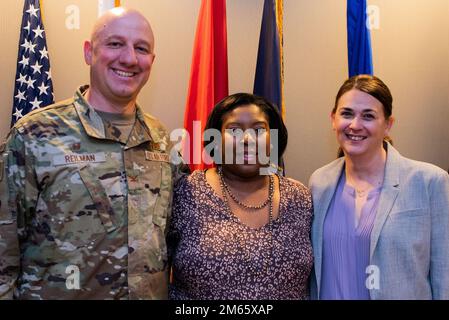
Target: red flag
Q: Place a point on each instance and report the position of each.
(208, 77)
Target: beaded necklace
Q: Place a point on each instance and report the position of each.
(226, 190)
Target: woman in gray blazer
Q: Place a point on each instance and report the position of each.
(381, 221)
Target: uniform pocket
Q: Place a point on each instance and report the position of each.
(163, 203)
(100, 198)
(69, 214)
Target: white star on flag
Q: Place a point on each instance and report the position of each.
(38, 32)
(22, 79)
(44, 53)
(30, 83)
(32, 45)
(36, 67)
(27, 28)
(20, 96)
(26, 45)
(25, 61)
(42, 89)
(18, 114)
(36, 104)
(32, 11)
(48, 74)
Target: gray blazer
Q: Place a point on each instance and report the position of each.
(410, 237)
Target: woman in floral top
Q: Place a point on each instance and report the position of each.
(239, 231)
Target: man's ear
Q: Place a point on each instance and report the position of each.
(88, 52)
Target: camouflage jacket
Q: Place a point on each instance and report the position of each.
(82, 215)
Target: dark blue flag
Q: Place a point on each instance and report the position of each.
(33, 85)
(269, 76)
(359, 42)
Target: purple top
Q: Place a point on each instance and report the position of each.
(215, 256)
(346, 247)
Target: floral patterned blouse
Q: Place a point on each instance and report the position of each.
(215, 256)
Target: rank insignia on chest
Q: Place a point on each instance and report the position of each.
(75, 146)
(155, 146)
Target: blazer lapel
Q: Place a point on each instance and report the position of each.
(389, 193)
(324, 190)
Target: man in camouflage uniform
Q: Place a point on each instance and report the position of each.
(86, 184)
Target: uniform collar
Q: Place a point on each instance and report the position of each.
(94, 127)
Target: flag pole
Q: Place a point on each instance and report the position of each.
(42, 14)
(280, 24)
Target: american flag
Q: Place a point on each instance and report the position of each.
(33, 85)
